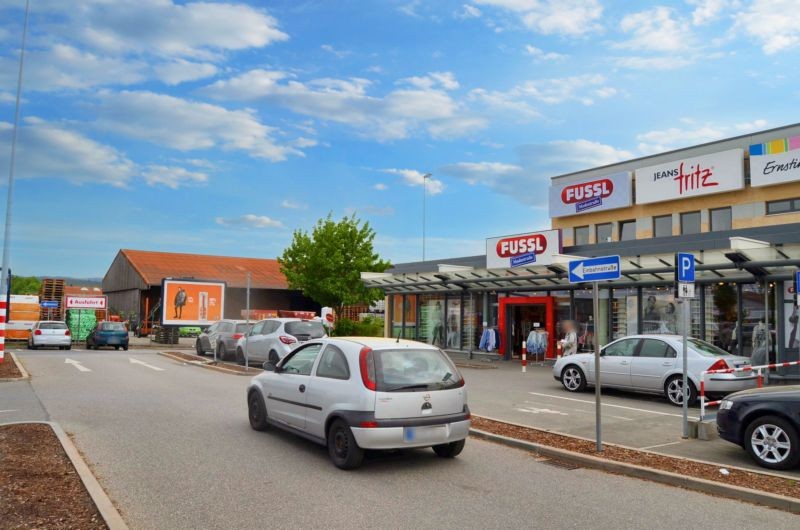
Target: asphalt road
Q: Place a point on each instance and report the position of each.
(173, 449)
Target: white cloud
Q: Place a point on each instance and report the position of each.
(774, 23)
(293, 205)
(540, 54)
(751, 126)
(338, 53)
(7, 97)
(173, 177)
(412, 177)
(424, 104)
(666, 62)
(582, 88)
(481, 172)
(180, 71)
(380, 186)
(249, 221)
(509, 103)
(658, 29)
(186, 125)
(468, 11)
(692, 133)
(48, 150)
(706, 11)
(554, 17)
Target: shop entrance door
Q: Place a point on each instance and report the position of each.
(518, 317)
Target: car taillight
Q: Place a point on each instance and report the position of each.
(719, 365)
(237, 336)
(287, 340)
(366, 362)
(368, 424)
(67, 333)
(37, 332)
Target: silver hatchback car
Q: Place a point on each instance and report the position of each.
(654, 364)
(272, 339)
(352, 394)
(50, 333)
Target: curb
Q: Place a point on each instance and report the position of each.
(205, 364)
(101, 500)
(664, 477)
(25, 375)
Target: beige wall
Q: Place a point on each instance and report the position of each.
(749, 210)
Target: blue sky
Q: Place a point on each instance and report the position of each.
(222, 127)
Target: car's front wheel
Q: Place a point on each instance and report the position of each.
(342, 447)
(199, 348)
(450, 450)
(239, 356)
(256, 411)
(573, 379)
(222, 354)
(773, 443)
(673, 390)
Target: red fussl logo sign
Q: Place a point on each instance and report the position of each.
(515, 246)
(588, 190)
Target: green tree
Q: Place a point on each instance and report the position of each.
(25, 285)
(326, 264)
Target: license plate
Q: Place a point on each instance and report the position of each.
(409, 433)
(424, 434)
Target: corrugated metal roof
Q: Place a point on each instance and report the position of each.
(155, 266)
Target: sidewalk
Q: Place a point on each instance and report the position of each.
(638, 421)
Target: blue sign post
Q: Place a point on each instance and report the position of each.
(596, 270)
(684, 288)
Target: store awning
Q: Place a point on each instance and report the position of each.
(745, 261)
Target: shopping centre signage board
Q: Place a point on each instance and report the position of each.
(590, 195)
(691, 177)
(775, 162)
(535, 248)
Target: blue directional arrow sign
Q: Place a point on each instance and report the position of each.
(594, 269)
(49, 304)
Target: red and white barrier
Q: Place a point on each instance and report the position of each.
(758, 369)
(2, 330)
(524, 358)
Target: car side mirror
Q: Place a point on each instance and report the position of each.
(270, 367)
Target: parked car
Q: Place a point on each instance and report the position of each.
(272, 339)
(107, 333)
(221, 337)
(50, 333)
(765, 422)
(654, 364)
(352, 394)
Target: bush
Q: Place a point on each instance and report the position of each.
(369, 327)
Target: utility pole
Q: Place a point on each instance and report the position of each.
(247, 332)
(425, 178)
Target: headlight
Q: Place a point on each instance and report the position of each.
(726, 404)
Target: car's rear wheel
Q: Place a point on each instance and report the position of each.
(199, 348)
(773, 443)
(88, 345)
(68, 347)
(673, 390)
(239, 356)
(573, 379)
(273, 357)
(222, 353)
(342, 447)
(125, 348)
(116, 348)
(450, 450)
(257, 412)
(32, 346)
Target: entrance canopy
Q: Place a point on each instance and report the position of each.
(745, 261)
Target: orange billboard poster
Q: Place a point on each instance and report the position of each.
(192, 303)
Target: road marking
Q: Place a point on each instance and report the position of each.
(534, 410)
(9, 410)
(583, 411)
(137, 361)
(77, 364)
(662, 445)
(610, 405)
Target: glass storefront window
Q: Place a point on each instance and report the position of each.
(584, 319)
(690, 223)
(473, 321)
(721, 219)
(581, 235)
(627, 230)
(624, 313)
(756, 332)
(432, 319)
(662, 313)
(722, 309)
(453, 324)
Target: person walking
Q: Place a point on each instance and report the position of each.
(569, 344)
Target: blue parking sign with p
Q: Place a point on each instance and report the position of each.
(684, 263)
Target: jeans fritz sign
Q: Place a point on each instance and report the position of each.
(537, 248)
(775, 162)
(691, 177)
(590, 195)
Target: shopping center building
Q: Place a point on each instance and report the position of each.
(734, 204)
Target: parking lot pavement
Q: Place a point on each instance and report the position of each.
(634, 420)
(173, 448)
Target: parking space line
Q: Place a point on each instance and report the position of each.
(8, 410)
(610, 405)
(662, 445)
(137, 361)
(537, 404)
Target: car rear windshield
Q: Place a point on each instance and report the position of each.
(414, 371)
(52, 325)
(305, 329)
(704, 348)
(242, 328)
(113, 326)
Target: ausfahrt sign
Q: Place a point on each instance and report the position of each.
(85, 302)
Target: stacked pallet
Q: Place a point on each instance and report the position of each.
(22, 315)
(52, 290)
(166, 335)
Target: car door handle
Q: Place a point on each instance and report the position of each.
(623, 362)
(666, 364)
(302, 388)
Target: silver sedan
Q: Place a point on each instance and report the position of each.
(654, 364)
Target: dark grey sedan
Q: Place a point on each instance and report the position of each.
(221, 338)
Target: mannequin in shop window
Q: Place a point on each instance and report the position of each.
(759, 355)
(437, 325)
(569, 344)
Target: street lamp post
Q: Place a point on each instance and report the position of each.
(425, 178)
